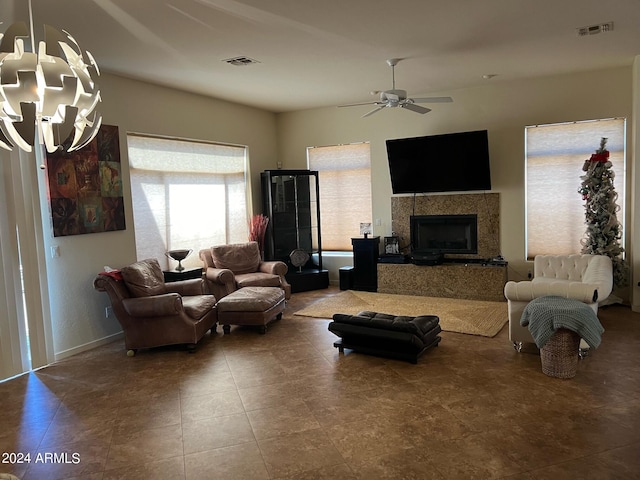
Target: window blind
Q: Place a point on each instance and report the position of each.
(186, 195)
(555, 155)
(344, 177)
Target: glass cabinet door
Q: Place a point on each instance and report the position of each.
(290, 200)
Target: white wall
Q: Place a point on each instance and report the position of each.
(503, 108)
(77, 310)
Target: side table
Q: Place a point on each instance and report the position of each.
(186, 274)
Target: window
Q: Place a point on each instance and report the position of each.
(186, 195)
(555, 155)
(344, 177)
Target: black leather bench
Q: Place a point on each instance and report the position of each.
(373, 333)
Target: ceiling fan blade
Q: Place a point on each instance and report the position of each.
(415, 108)
(357, 104)
(373, 111)
(433, 100)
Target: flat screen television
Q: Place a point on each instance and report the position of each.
(453, 162)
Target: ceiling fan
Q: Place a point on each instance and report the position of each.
(398, 98)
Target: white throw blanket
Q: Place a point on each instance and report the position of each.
(545, 315)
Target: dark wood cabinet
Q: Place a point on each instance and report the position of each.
(290, 200)
(365, 263)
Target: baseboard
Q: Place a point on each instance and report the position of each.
(87, 346)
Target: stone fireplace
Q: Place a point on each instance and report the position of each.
(477, 279)
(486, 206)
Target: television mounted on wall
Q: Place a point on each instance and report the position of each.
(452, 162)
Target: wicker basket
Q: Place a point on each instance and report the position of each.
(560, 354)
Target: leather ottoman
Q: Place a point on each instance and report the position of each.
(251, 306)
(401, 337)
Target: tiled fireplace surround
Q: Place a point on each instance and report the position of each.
(473, 281)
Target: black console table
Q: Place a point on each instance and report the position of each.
(365, 263)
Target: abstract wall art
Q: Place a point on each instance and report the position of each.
(85, 187)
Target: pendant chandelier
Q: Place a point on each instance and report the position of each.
(48, 95)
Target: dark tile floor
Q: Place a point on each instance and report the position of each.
(286, 405)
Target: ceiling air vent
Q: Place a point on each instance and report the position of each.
(240, 61)
(595, 29)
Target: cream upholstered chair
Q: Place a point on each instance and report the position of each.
(587, 278)
(233, 266)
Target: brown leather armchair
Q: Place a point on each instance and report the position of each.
(153, 313)
(230, 267)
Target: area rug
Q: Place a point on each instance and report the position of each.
(473, 317)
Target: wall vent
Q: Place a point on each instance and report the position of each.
(240, 61)
(595, 29)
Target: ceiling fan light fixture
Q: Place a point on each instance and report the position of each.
(48, 94)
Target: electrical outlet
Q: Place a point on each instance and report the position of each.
(108, 312)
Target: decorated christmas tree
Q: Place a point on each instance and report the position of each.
(604, 231)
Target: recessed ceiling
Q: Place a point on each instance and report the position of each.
(318, 54)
